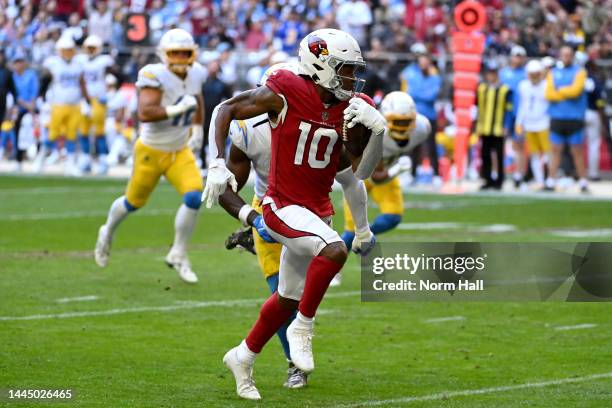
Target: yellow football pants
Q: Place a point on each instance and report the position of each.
(537, 142)
(268, 254)
(179, 168)
(64, 121)
(95, 120)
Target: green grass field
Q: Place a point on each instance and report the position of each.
(148, 340)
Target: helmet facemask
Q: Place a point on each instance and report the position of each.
(400, 127)
(178, 60)
(346, 77)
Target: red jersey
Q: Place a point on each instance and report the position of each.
(306, 144)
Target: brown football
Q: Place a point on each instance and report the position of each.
(356, 138)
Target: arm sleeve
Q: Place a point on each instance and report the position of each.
(356, 197)
(212, 142)
(372, 153)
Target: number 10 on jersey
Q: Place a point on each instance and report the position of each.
(313, 152)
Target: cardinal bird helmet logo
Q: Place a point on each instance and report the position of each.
(317, 46)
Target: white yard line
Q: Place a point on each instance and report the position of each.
(481, 391)
(576, 327)
(75, 214)
(169, 308)
(445, 319)
(77, 299)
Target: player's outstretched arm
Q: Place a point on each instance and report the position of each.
(151, 110)
(243, 106)
(239, 164)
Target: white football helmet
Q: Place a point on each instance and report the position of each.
(93, 45)
(174, 40)
(65, 47)
(400, 111)
(323, 53)
(289, 66)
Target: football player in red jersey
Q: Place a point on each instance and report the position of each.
(307, 114)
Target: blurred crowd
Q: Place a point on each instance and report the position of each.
(240, 38)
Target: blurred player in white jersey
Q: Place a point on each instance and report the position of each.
(251, 147)
(93, 111)
(67, 90)
(532, 119)
(114, 125)
(406, 129)
(170, 107)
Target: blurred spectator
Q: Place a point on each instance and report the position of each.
(227, 61)
(494, 102)
(512, 75)
(7, 86)
(595, 119)
(423, 82)
(215, 91)
(568, 104)
(530, 41)
(291, 32)
(75, 29)
(573, 34)
(26, 84)
(354, 16)
(101, 21)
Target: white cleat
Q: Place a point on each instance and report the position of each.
(243, 373)
(180, 263)
(299, 336)
(103, 245)
(337, 281)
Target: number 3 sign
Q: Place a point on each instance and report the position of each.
(137, 29)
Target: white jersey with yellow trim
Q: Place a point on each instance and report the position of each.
(392, 151)
(65, 86)
(94, 72)
(254, 137)
(170, 134)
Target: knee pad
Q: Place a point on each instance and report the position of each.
(193, 199)
(129, 206)
(101, 145)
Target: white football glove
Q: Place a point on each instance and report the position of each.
(359, 111)
(85, 108)
(197, 139)
(184, 104)
(363, 243)
(216, 182)
(404, 164)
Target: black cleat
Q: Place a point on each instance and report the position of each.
(241, 238)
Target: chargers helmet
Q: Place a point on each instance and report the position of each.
(400, 111)
(177, 40)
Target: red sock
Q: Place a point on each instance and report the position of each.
(320, 273)
(271, 318)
